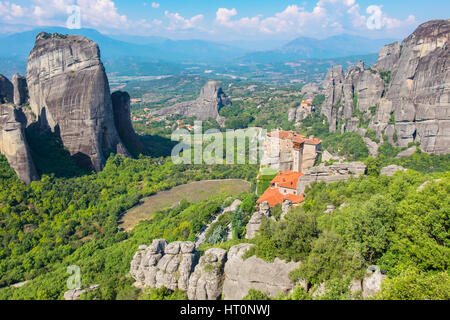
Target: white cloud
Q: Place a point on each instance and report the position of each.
(155, 5)
(178, 22)
(10, 11)
(326, 18)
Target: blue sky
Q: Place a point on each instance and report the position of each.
(228, 20)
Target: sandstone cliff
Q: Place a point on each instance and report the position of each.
(69, 93)
(405, 96)
(206, 106)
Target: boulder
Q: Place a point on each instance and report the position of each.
(391, 170)
(372, 146)
(406, 153)
(254, 273)
(372, 282)
(76, 293)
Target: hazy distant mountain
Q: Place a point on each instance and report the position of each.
(20, 44)
(309, 48)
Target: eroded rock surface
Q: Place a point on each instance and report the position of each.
(164, 265)
(122, 121)
(255, 221)
(206, 106)
(391, 170)
(328, 174)
(254, 273)
(69, 93)
(207, 280)
(6, 90)
(20, 89)
(405, 95)
(13, 143)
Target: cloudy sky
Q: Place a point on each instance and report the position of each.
(226, 20)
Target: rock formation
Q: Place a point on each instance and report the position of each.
(13, 143)
(207, 280)
(217, 274)
(254, 273)
(69, 93)
(75, 294)
(255, 221)
(404, 96)
(20, 89)
(391, 170)
(328, 174)
(206, 106)
(164, 265)
(6, 90)
(122, 120)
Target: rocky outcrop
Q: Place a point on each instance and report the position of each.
(6, 90)
(388, 57)
(206, 106)
(406, 94)
(69, 93)
(164, 265)
(406, 153)
(372, 146)
(310, 90)
(391, 170)
(75, 294)
(332, 173)
(371, 284)
(255, 221)
(122, 121)
(207, 280)
(20, 89)
(13, 143)
(254, 273)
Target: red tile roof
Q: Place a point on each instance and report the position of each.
(294, 137)
(287, 179)
(274, 197)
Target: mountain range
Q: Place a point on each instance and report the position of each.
(16, 47)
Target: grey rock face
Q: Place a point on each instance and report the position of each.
(328, 174)
(420, 89)
(254, 273)
(391, 170)
(388, 57)
(206, 106)
(255, 221)
(75, 294)
(333, 88)
(164, 265)
(372, 282)
(207, 280)
(408, 86)
(372, 146)
(6, 90)
(122, 121)
(285, 207)
(69, 93)
(406, 153)
(13, 143)
(20, 89)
